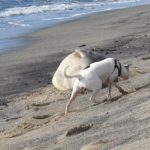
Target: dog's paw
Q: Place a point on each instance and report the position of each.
(66, 112)
(108, 98)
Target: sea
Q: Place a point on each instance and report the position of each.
(20, 17)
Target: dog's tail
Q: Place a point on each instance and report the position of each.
(70, 76)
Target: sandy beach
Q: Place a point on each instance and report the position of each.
(28, 122)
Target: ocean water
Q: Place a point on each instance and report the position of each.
(19, 17)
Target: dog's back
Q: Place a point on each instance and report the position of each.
(105, 69)
(102, 69)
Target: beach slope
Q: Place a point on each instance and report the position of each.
(32, 110)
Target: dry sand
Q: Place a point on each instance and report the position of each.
(29, 120)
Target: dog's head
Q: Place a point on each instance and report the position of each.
(125, 71)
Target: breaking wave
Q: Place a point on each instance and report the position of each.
(35, 9)
(15, 11)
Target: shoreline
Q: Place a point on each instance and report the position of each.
(28, 36)
(33, 65)
(20, 40)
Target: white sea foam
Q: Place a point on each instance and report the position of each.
(18, 23)
(57, 7)
(56, 18)
(35, 9)
(40, 9)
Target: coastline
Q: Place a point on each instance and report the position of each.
(21, 21)
(33, 65)
(32, 110)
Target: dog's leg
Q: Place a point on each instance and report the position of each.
(92, 98)
(74, 93)
(109, 90)
(98, 86)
